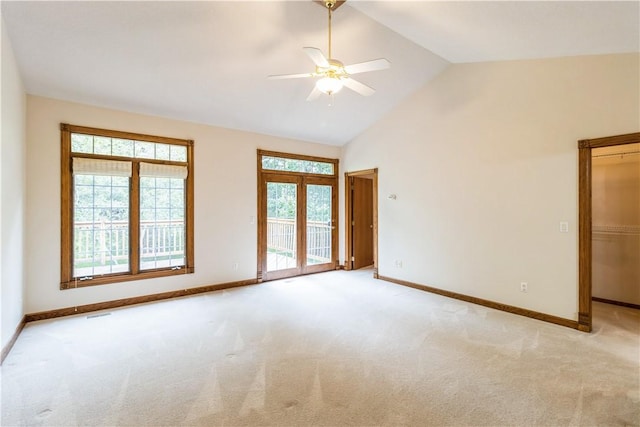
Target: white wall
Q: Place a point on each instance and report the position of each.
(12, 196)
(484, 163)
(225, 200)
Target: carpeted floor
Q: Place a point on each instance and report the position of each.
(336, 348)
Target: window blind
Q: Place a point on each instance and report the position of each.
(155, 170)
(83, 166)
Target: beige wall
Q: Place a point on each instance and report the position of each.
(12, 198)
(483, 161)
(225, 200)
(616, 224)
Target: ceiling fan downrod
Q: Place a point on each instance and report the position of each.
(330, 4)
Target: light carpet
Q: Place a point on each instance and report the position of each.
(337, 348)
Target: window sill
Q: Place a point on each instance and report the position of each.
(124, 277)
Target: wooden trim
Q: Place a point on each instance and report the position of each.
(301, 179)
(124, 277)
(375, 224)
(190, 211)
(124, 135)
(296, 157)
(261, 205)
(130, 159)
(486, 303)
(66, 206)
(335, 162)
(7, 348)
(70, 311)
(348, 206)
(134, 221)
(362, 173)
(608, 141)
(584, 239)
(348, 220)
(620, 303)
(67, 281)
(585, 314)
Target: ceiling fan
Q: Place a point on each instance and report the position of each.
(332, 74)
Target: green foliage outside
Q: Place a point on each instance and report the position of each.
(281, 201)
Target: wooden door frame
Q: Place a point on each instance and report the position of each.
(303, 177)
(585, 315)
(348, 204)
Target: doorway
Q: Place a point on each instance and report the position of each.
(297, 215)
(585, 218)
(361, 224)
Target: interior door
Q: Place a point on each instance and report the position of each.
(362, 225)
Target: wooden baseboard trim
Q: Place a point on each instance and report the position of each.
(491, 304)
(70, 311)
(610, 301)
(7, 348)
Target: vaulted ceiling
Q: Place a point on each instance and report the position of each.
(207, 62)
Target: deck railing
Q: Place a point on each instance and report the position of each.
(281, 237)
(108, 242)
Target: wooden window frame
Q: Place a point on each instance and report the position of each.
(67, 281)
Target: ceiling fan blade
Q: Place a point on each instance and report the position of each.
(363, 67)
(289, 76)
(315, 93)
(316, 56)
(358, 87)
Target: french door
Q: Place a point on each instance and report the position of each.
(297, 217)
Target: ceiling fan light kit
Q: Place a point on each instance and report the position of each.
(329, 85)
(332, 74)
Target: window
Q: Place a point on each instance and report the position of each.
(286, 164)
(127, 206)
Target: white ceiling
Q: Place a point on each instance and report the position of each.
(207, 62)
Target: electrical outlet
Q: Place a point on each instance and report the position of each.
(564, 226)
(524, 287)
(235, 266)
(398, 263)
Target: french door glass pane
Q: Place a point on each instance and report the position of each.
(318, 224)
(100, 225)
(162, 227)
(281, 226)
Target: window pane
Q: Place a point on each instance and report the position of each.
(162, 227)
(102, 145)
(81, 143)
(122, 147)
(281, 226)
(296, 165)
(179, 153)
(318, 224)
(163, 152)
(100, 225)
(144, 150)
